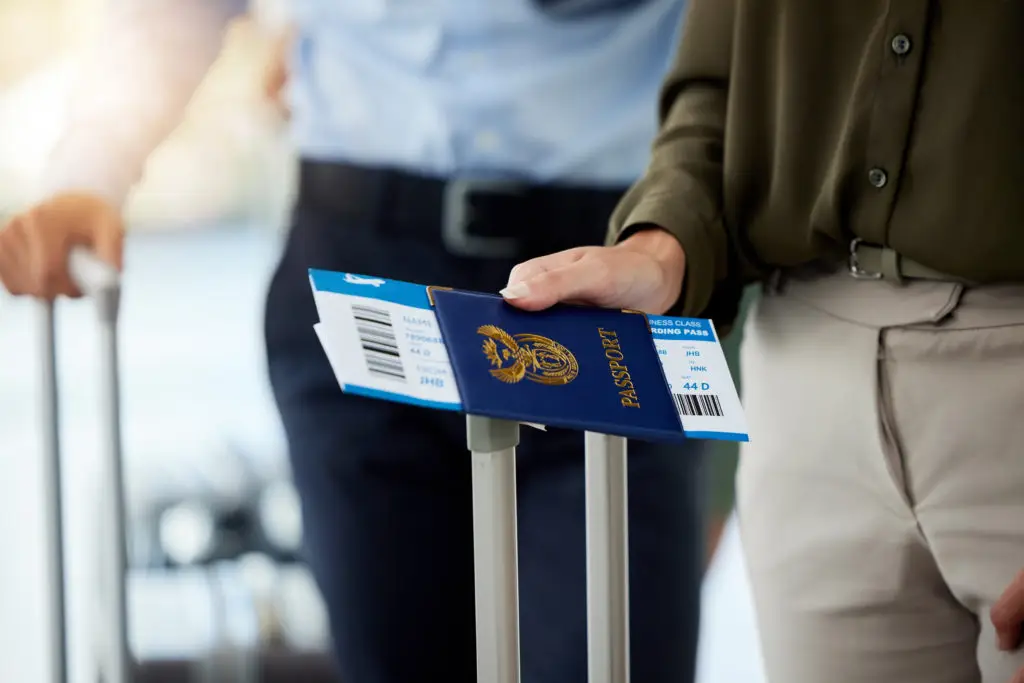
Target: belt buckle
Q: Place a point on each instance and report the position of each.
(853, 263)
(458, 214)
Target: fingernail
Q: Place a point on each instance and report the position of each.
(516, 291)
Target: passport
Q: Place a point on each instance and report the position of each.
(568, 366)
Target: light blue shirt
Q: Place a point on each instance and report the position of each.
(493, 88)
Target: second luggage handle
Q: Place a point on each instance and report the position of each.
(96, 279)
(100, 282)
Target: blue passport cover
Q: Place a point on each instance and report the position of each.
(580, 368)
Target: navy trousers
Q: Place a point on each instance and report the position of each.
(387, 510)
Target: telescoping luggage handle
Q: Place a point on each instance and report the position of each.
(493, 446)
(101, 283)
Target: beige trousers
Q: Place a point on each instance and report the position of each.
(881, 497)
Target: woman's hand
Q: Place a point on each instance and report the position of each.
(643, 272)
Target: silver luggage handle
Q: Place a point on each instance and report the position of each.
(102, 283)
(493, 446)
(92, 275)
(98, 280)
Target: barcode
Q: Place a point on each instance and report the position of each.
(699, 405)
(380, 346)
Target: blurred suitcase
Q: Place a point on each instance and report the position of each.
(101, 283)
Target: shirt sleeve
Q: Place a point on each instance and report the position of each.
(132, 88)
(681, 189)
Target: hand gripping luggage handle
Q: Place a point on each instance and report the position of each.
(100, 282)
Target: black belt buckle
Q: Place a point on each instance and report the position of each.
(458, 215)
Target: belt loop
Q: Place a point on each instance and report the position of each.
(890, 266)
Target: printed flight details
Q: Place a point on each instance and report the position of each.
(698, 377)
(386, 341)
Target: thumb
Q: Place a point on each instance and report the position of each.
(584, 281)
(1008, 615)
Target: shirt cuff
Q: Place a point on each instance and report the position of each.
(665, 212)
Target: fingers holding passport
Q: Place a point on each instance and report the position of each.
(645, 272)
(565, 276)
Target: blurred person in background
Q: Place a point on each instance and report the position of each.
(863, 160)
(440, 142)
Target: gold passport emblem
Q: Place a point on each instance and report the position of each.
(529, 356)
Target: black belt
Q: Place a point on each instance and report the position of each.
(471, 217)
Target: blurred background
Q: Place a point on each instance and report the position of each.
(214, 523)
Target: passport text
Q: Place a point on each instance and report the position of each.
(619, 371)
